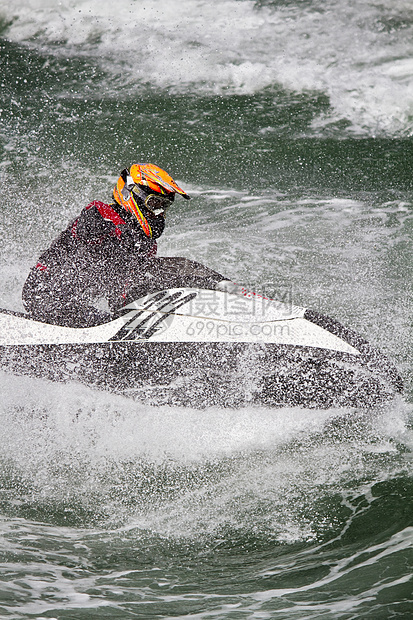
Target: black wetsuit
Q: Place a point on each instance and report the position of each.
(104, 258)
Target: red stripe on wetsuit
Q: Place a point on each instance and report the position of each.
(109, 214)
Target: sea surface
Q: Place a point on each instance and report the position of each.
(290, 124)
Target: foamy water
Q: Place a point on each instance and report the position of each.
(178, 471)
(359, 54)
(288, 123)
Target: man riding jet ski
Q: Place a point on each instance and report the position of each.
(171, 331)
(107, 256)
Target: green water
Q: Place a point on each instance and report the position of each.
(290, 125)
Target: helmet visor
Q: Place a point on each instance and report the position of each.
(157, 205)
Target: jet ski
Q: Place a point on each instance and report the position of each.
(199, 347)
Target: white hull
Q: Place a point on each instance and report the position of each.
(172, 346)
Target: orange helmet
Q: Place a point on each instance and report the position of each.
(141, 183)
